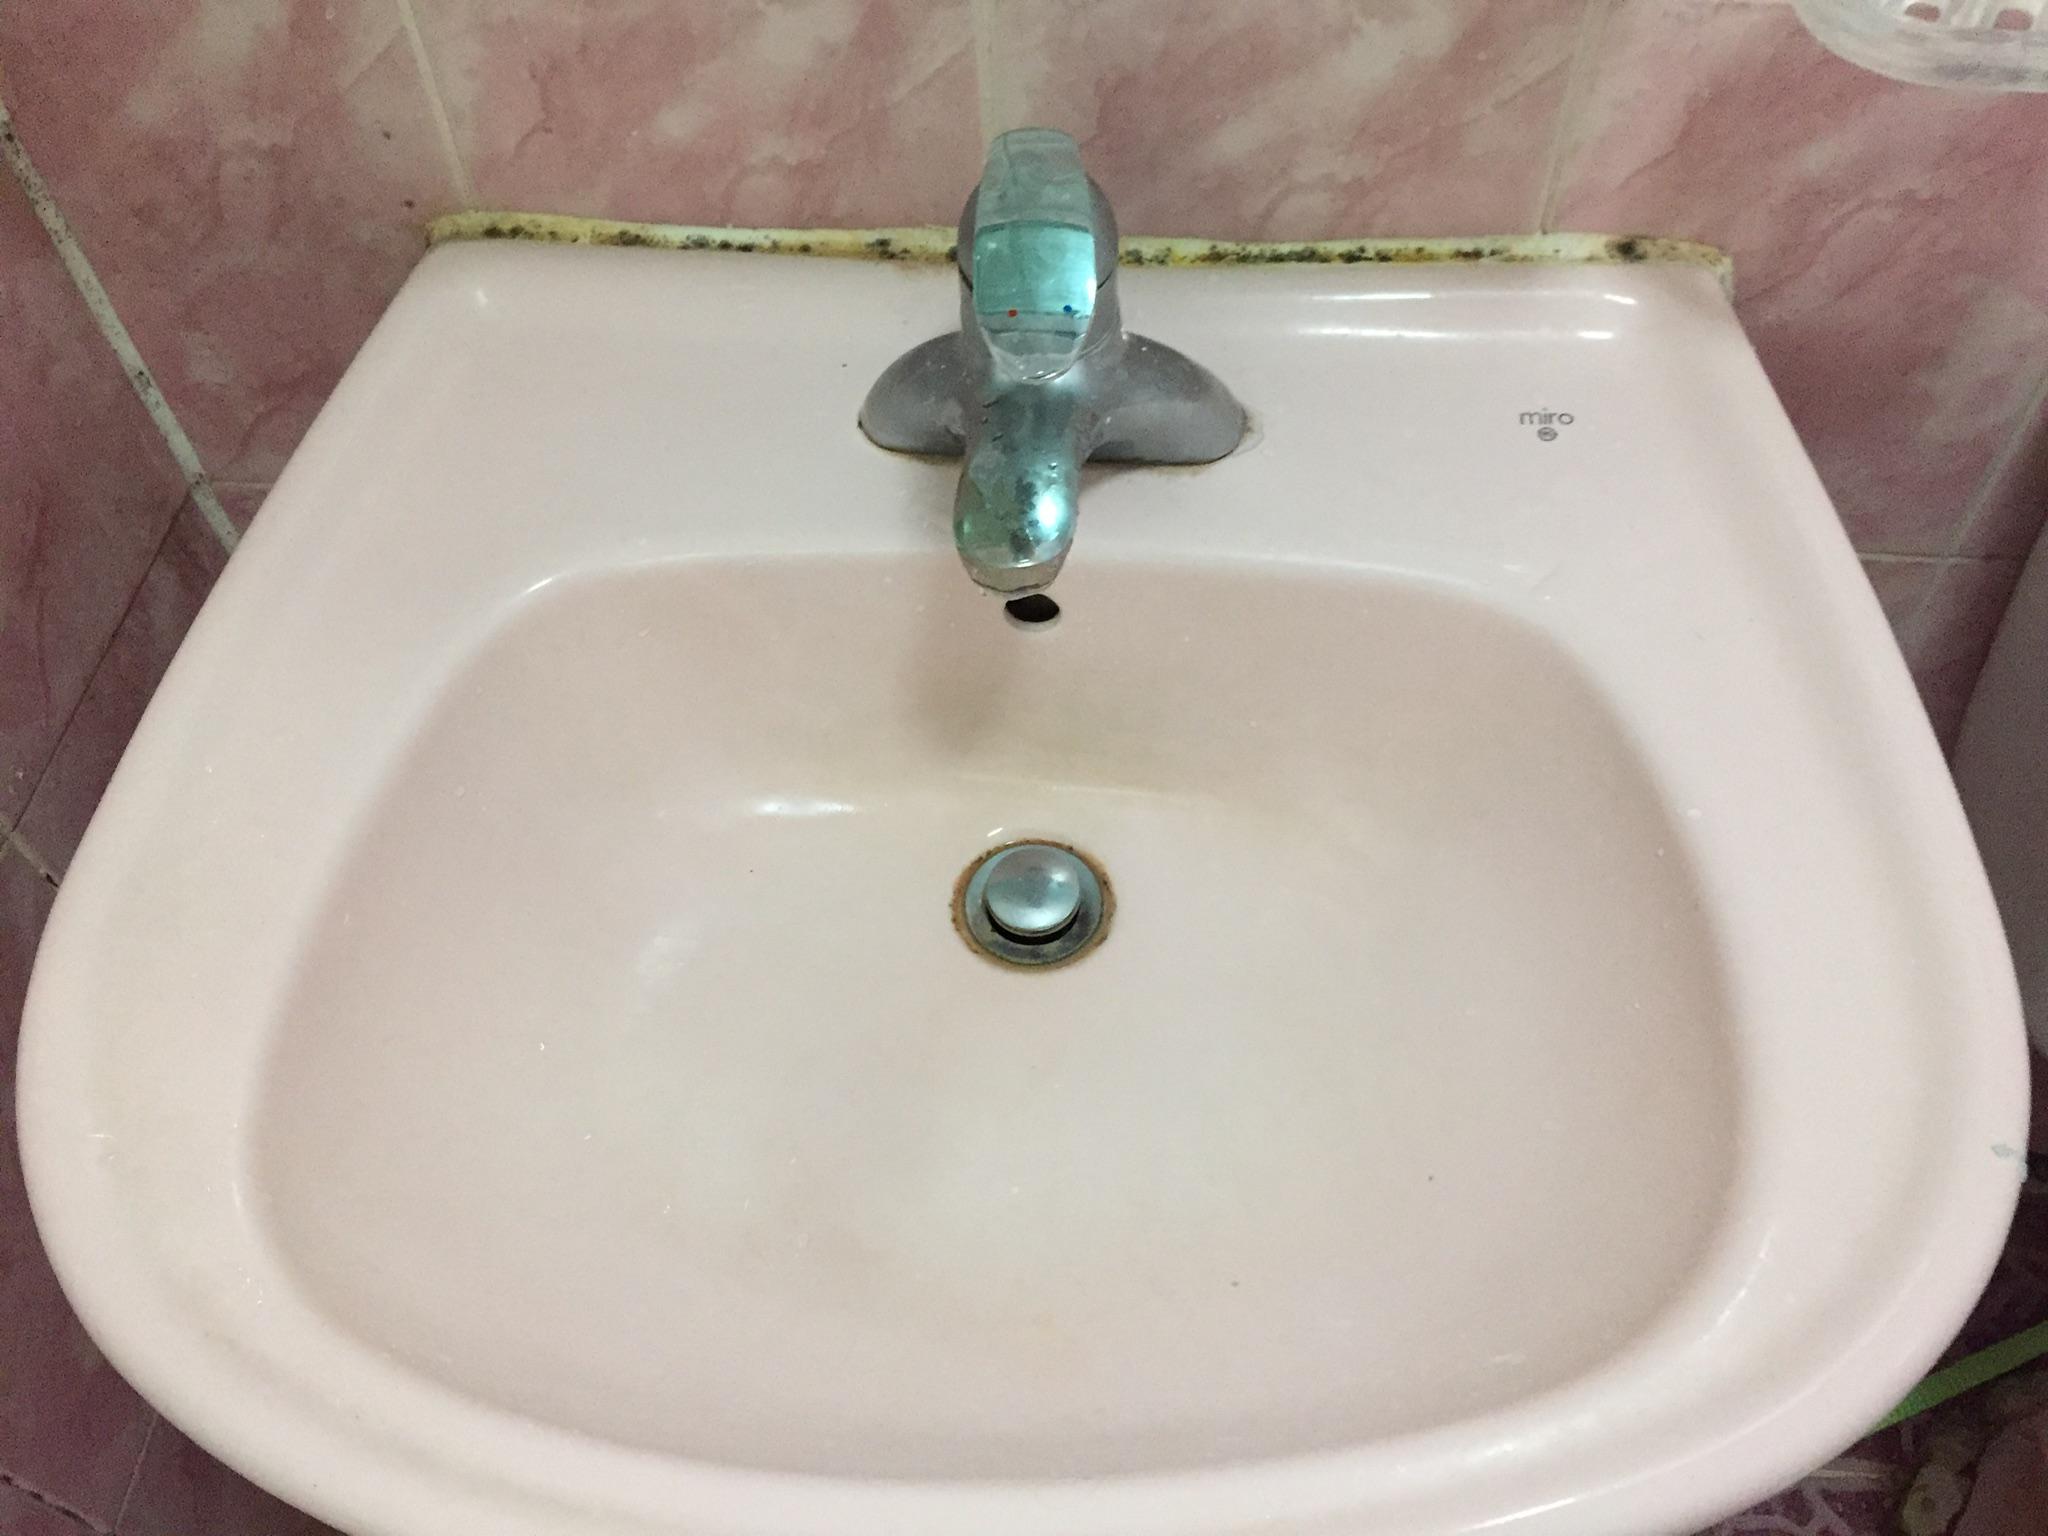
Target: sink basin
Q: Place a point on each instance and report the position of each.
(504, 1058)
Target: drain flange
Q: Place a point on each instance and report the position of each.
(1032, 903)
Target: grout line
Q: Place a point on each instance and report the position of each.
(13, 842)
(116, 334)
(997, 111)
(55, 1506)
(113, 635)
(1900, 557)
(444, 126)
(135, 1476)
(1578, 87)
(1915, 622)
(261, 489)
(2001, 462)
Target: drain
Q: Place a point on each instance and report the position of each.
(1032, 903)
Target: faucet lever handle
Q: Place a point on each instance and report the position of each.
(1033, 262)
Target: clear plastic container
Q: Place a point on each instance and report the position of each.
(1997, 45)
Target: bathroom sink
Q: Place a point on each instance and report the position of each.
(504, 1058)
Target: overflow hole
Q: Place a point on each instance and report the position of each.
(1033, 612)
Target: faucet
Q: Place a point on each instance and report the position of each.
(1041, 376)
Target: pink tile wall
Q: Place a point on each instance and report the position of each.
(70, 1429)
(827, 112)
(179, 1490)
(248, 179)
(134, 661)
(1945, 613)
(86, 491)
(1890, 242)
(1318, 118)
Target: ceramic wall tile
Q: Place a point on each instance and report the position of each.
(248, 178)
(1952, 635)
(86, 493)
(163, 609)
(1299, 118)
(829, 112)
(22, 1514)
(2015, 504)
(241, 502)
(25, 899)
(1901, 584)
(181, 1491)
(70, 1427)
(1944, 614)
(1890, 243)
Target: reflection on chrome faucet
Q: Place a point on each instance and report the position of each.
(1041, 375)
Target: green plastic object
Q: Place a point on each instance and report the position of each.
(1034, 251)
(1970, 1373)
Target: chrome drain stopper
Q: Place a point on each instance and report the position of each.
(1032, 903)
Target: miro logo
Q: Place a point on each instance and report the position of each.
(1546, 423)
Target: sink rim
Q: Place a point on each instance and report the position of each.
(218, 1391)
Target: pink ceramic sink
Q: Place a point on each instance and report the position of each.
(504, 1060)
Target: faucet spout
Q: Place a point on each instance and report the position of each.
(1041, 375)
(1020, 488)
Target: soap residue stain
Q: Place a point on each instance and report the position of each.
(1555, 250)
(931, 244)
(914, 244)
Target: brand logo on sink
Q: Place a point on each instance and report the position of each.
(1547, 423)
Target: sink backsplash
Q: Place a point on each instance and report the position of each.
(240, 185)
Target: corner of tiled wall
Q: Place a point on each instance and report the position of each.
(210, 202)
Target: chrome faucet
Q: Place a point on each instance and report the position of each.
(1041, 376)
